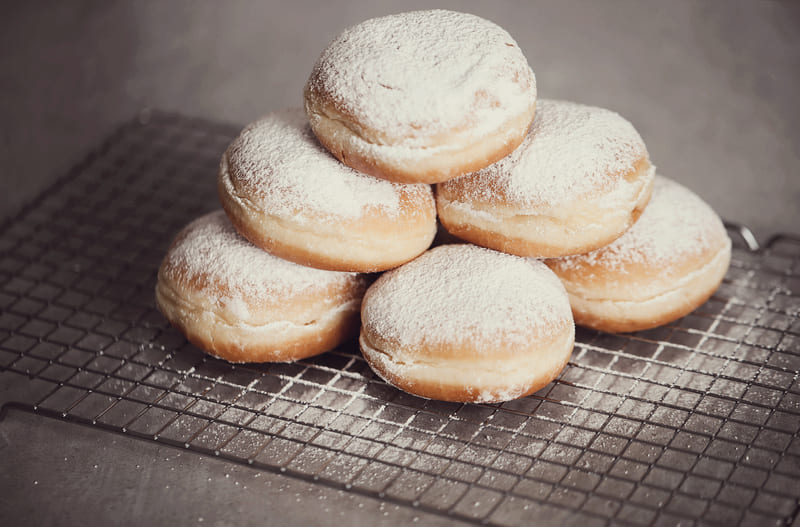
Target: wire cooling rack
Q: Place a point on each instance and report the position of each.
(695, 422)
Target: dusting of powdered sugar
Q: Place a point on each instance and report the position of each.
(210, 252)
(279, 165)
(465, 292)
(571, 150)
(413, 76)
(675, 224)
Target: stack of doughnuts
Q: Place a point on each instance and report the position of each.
(427, 121)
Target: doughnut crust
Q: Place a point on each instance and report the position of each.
(421, 97)
(241, 304)
(468, 324)
(579, 180)
(669, 263)
(286, 194)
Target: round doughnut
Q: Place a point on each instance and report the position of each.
(578, 181)
(241, 304)
(286, 194)
(468, 324)
(421, 97)
(669, 263)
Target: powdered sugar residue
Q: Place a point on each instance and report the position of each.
(413, 76)
(675, 224)
(210, 252)
(571, 150)
(280, 166)
(468, 292)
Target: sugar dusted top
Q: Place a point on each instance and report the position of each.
(278, 164)
(571, 151)
(210, 253)
(676, 224)
(465, 292)
(414, 76)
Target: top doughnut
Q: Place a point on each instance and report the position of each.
(421, 97)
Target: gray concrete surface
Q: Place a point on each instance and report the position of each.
(96, 477)
(710, 85)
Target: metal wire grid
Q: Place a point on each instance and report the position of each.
(696, 422)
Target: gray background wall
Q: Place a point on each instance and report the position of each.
(710, 85)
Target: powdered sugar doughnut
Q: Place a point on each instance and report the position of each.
(239, 303)
(669, 263)
(579, 180)
(464, 323)
(421, 97)
(286, 194)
